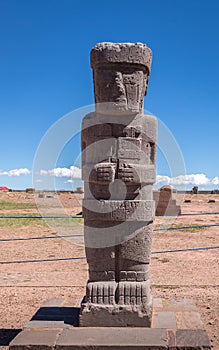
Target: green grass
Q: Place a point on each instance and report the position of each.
(188, 229)
(160, 286)
(165, 286)
(195, 229)
(204, 287)
(5, 205)
(20, 222)
(31, 220)
(164, 260)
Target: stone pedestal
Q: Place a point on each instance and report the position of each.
(176, 324)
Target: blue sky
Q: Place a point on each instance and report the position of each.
(45, 74)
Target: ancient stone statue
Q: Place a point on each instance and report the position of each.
(119, 148)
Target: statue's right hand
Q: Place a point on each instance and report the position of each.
(105, 172)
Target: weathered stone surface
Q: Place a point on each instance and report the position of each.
(125, 83)
(101, 293)
(130, 315)
(157, 304)
(164, 319)
(164, 204)
(119, 335)
(112, 339)
(131, 175)
(189, 320)
(192, 339)
(176, 314)
(171, 336)
(136, 249)
(180, 305)
(107, 52)
(118, 168)
(35, 339)
(127, 210)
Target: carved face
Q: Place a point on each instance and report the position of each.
(122, 87)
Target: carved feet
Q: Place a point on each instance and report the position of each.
(122, 293)
(101, 292)
(134, 293)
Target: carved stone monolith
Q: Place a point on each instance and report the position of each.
(118, 169)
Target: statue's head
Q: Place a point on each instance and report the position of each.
(120, 72)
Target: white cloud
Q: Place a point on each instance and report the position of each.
(73, 172)
(191, 179)
(163, 179)
(15, 172)
(215, 181)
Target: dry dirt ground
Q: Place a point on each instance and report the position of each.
(37, 267)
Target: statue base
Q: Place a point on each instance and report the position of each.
(176, 324)
(96, 315)
(111, 304)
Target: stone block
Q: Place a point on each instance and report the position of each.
(119, 334)
(157, 304)
(168, 210)
(189, 320)
(49, 324)
(97, 315)
(112, 338)
(182, 304)
(164, 203)
(35, 340)
(164, 319)
(192, 339)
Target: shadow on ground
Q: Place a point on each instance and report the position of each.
(7, 335)
(63, 315)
